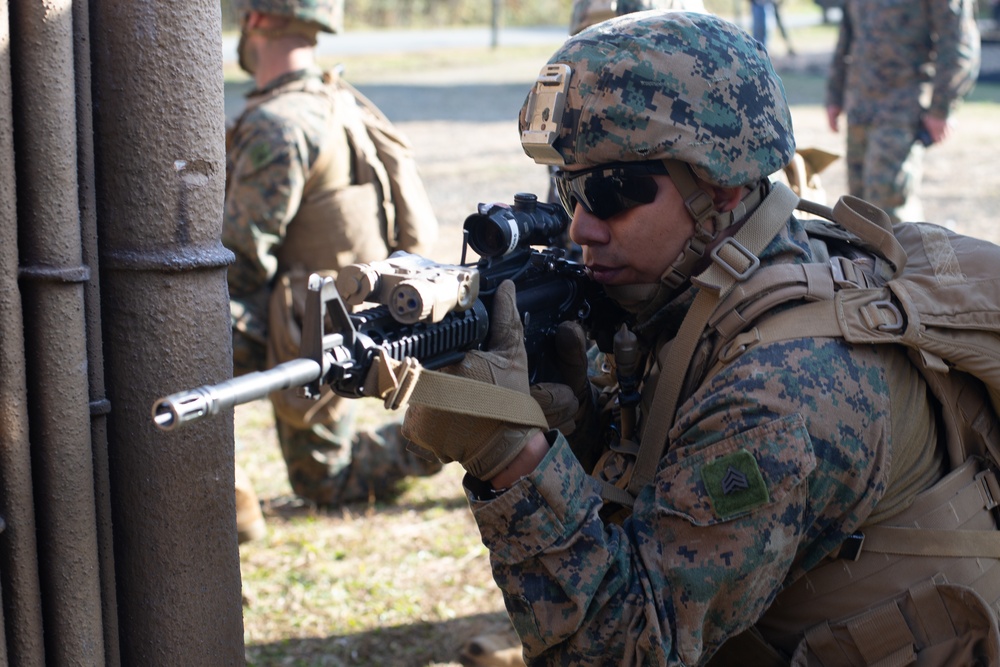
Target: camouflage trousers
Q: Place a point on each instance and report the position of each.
(329, 463)
(885, 167)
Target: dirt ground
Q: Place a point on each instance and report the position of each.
(394, 585)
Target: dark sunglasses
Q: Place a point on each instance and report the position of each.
(609, 189)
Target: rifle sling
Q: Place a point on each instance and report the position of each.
(401, 382)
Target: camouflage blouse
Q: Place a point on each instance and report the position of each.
(771, 463)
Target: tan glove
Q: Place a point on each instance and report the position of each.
(571, 406)
(567, 404)
(483, 446)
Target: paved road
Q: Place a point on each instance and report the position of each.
(408, 41)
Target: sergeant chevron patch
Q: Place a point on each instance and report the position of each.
(734, 484)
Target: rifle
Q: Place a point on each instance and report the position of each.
(432, 312)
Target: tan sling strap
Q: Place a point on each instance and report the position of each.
(901, 541)
(401, 382)
(734, 260)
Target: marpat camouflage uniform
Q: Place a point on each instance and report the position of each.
(771, 462)
(809, 424)
(894, 62)
(273, 154)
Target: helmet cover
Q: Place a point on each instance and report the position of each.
(327, 14)
(662, 85)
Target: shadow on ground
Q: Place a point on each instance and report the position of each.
(413, 645)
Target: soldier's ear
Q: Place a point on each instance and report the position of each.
(726, 199)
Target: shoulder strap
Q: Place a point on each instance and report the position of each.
(871, 224)
(734, 260)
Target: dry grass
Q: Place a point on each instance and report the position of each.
(399, 584)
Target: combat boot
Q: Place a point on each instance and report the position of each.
(250, 523)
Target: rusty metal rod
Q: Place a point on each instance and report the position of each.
(22, 599)
(52, 276)
(160, 166)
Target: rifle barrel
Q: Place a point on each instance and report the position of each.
(187, 406)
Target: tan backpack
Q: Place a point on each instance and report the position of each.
(926, 592)
(916, 284)
(385, 157)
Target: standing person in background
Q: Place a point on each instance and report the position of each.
(899, 71)
(588, 12)
(758, 20)
(317, 178)
(759, 10)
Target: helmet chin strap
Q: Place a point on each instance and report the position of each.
(702, 208)
(647, 298)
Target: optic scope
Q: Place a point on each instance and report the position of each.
(499, 229)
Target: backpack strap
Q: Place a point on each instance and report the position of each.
(734, 260)
(901, 541)
(872, 225)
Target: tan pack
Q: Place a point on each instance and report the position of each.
(382, 165)
(384, 157)
(918, 285)
(924, 590)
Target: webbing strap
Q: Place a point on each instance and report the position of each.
(477, 399)
(402, 382)
(735, 260)
(902, 541)
(872, 224)
(883, 638)
(811, 320)
(615, 494)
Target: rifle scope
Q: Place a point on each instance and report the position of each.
(499, 229)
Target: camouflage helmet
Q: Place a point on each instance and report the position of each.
(680, 86)
(327, 14)
(588, 12)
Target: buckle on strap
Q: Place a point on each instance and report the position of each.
(991, 488)
(699, 205)
(850, 548)
(396, 381)
(735, 252)
(885, 316)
